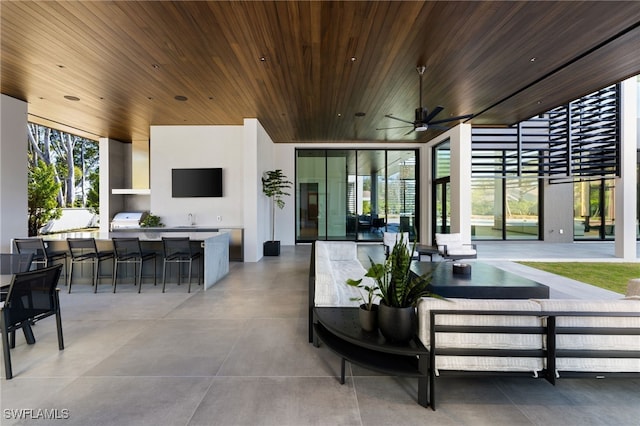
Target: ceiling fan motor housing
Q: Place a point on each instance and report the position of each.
(420, 124)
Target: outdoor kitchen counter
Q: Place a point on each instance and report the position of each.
(195, 233)
(214, 244)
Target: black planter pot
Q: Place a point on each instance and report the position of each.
(271, 248)
(368, 319)
(397, 324)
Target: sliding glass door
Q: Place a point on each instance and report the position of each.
(355, 194)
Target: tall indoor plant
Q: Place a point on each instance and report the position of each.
(274, 186)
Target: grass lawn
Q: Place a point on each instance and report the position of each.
(610, 276)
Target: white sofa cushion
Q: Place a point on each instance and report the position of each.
(454, 245)
(482, 340)
(581, 341)
(337, 261)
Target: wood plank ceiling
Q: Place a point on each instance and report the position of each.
(305, 68)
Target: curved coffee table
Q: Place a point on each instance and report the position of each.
(339, 329)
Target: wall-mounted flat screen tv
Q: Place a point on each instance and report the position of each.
(196, 183)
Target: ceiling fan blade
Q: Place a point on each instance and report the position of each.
(446, 120)
(410, 131)
(399, 119)
(437, 127)
(397, 127)
(432, 114)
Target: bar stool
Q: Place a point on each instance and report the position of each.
(85, 250)
(41, 254)
(129, 250)
(178, 250)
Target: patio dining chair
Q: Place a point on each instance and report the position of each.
(85, 250)
(178, 250)
(42, 255)
(129, 250)
(32, 296)
(12, 263)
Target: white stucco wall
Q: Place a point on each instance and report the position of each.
(13, 170)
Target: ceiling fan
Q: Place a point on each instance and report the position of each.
(424, 118)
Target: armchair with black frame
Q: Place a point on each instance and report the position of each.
(31, 297)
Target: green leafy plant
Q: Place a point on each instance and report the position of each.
(274, 185)
(397, 286)
(151, 221)
(42, 201)
(368, 292)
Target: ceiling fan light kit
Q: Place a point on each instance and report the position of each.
(424, 118)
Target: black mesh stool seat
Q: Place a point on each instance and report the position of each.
(31, 297)
(129, 250)
(178, 250)
(85, 250)
(42, 256)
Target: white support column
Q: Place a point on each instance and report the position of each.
(460, 139)
(13, 171)
(626, 184)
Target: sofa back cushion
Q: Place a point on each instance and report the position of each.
(335, 262)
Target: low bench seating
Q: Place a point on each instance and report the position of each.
(332, 263)
(550, 338)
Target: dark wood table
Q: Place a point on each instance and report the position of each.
(485, 282)
(339, 329)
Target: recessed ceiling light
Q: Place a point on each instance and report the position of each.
(155, 66)
(71, 98)
(533, 59)
(180, 98)
(150, 98)
(263, 59)
(360, 114)
(339, 115)
(353, 59)
(60, 66)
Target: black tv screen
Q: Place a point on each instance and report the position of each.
(196, 183)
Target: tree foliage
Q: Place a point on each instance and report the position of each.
(63, 172)
(43, 190)
(72, 157)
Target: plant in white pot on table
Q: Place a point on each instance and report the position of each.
(274, 186)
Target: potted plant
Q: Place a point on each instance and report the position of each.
(151, 221)
(274, 184)
(368, 313)
(399, 290)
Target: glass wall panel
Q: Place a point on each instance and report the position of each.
(486, 209)
(441, 202)
(311, 195)
(355, 194)
(521, 209)
(338, 193)
(401, 191)
(594, 210)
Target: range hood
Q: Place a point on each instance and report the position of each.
(136, 169)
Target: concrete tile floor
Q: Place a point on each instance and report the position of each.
(237, 354)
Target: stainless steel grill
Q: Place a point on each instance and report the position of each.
(127, 220)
